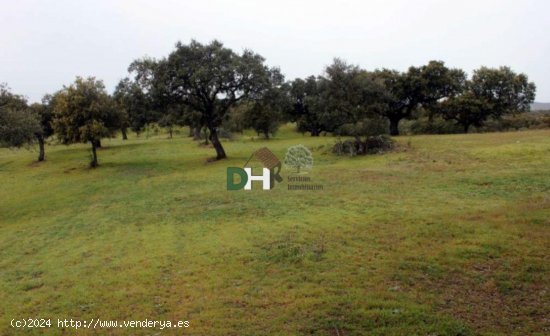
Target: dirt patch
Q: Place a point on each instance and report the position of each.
(488, 304)
(35, 163)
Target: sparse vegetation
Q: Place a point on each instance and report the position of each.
(449, 237)
(375, 144)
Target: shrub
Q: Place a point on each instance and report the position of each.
(370, 145)
(527, 120)
(368, 127)
(437, 125)
(346, 147)
(425, 125)
(378, 144)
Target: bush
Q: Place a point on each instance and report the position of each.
(527, 120)
(370, 145)
(346, 147)
(378, 144)
(367, 127)
(425, 125)
(438, 125)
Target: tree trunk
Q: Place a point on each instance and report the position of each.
(360, 145)
(266, 134)
(97, 143)
(466, 127)
(206, 135)
(124, 135)
(220, 152)
(42, 154)
(394, 126)
(94, 163)
(170, 131)
(315, 132)
(196, 133)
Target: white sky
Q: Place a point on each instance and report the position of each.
(45, 44)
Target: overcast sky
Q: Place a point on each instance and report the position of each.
(45, 44)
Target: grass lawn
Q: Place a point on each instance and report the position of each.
(449, 235)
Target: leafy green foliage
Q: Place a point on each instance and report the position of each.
(307, 107)
(44, 112)
(210, 79)
(516, 122)
(466, 110)
(235, 121)
(430, 125)
(345, 94)
(84, 112)
(491, 93)
(21, 124)
(134, 105)
(171, 118)
(266, 113)
(18, 127)
(348, 95)
(403, 93)
(374, 144)
(370, 126)
(506, 91)
(9, 100)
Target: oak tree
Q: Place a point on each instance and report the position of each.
(423, 86)
(210, 79)
(84, 112)
(491, 93)
(21, 124)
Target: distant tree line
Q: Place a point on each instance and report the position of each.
(213, 90)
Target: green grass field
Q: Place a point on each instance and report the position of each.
(448, 235)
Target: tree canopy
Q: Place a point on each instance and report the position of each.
(266, 114)
(423, 86)
(210, 79)
(135, 106)
(21, 124)
(84, 112)
(490, 93)
(214, 89)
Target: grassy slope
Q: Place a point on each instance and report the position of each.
(448, 236)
